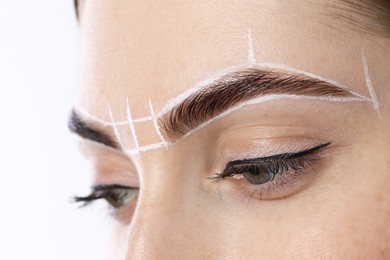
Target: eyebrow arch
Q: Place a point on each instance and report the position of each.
(85, 130)
(232, 90)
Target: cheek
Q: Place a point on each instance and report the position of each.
(355, 228)
(343, 224)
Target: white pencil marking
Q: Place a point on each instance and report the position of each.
(88, 115)
(146, 148)
(156, 126)
(174, 102)
(370, 86)
(91, 117)
(251, 53)
(142, 119)
(180, 98)
(268, 98)
(114, 127)
(131, 125)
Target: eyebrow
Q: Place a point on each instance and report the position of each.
(237, 87)
(85, 130)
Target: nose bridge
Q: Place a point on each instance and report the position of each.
(165, 218)
(157, 228)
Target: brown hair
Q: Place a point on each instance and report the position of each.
(369, 16)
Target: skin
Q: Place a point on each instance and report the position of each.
(157, 50)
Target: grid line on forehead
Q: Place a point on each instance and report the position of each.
(171, 104)
(295, 87)
(251, 51)
(228, 91)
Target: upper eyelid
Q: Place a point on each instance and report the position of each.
(111, 187)
(278, 156)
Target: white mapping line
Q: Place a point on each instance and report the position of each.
(156, 127)
(86, 114)
(108, 123)
(146, 148)
(116, 131)
(370, 86)
(99, 120)
(130, 123)
(143, 119)
(269, 98)
(251, 54)
(258, 100)
(174, 102)
(177, 100)
(311, 75)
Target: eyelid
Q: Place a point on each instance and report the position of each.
(100, 192)
(279, 156)
(111, 187)
(110, 166)
(287, 174)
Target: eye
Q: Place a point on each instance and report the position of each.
(272, 174)
(255, 174)
(116, 196)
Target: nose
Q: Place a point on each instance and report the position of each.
(170, 221)
(162, 230)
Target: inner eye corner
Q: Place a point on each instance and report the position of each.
(216, 177)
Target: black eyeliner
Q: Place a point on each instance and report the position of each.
(277, 157)
(111, 187)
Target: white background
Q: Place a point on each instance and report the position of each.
(40, 166)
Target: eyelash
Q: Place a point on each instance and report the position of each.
(286, 168)
(293, 164)
(115, 195)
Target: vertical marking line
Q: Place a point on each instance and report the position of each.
(370, 86)
(114, 127)
(131, 125)
(251, 54)
(156, 126)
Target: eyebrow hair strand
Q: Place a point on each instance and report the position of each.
(258, 66)
(265, 99)
(245, 87)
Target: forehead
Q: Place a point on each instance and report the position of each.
(157, 49)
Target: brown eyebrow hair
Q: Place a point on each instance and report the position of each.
(238, 87)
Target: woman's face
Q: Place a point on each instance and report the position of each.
(253, 129)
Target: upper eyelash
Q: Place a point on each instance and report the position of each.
(279, 156)
(100, 192)
(285, 160)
